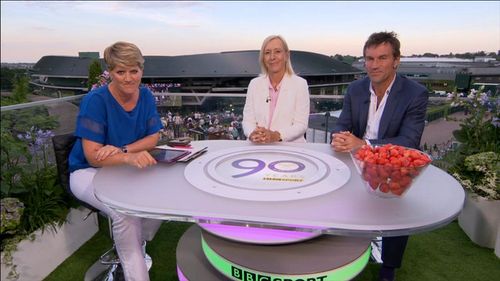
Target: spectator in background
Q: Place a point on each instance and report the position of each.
(234, 133)
(164, 122)
(177, 125)
(277, 102)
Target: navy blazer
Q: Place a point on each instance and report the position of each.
(403, 119)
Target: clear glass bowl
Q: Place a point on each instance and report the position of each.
(389, 179)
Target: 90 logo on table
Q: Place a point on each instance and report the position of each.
(259, 165)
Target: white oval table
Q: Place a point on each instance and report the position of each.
(340, 205)
(162, 192)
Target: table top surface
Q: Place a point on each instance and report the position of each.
(163, 192)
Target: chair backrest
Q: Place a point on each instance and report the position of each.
(62, 148)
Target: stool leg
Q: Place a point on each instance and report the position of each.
(104, 272)
(112, 261)
(110, 257)
(110, 227)
(108, 267)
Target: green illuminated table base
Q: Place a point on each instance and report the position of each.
(203, 256)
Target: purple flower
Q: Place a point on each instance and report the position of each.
(496, 122)
(483, 99)
(38, 141)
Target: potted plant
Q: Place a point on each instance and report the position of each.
(480, 218)
(477, 166)
(33, 205)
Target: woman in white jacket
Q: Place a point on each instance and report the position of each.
(277, 102)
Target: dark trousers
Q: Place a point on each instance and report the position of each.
(393, 249)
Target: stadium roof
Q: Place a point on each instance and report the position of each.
(430, 59)
(225, 64)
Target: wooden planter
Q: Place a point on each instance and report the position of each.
(36, 259)
(480, 220)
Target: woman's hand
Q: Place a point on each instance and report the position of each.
(108, 155)
(106, 151)
(258, 135)
(263, 135)
(140, 159)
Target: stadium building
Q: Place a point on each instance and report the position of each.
(442, 75)
(192, 80)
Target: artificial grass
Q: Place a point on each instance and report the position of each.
(448, 254)
(443, 254)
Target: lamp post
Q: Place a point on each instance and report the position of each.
(327, 115)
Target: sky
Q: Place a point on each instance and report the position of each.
(33, 29)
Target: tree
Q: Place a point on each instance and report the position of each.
(8, 76)
(21, 89)
(95, 71)
(346, 59)
(338, 57)
(431, 55)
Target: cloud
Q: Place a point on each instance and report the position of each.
(172, 14)
(42, 29)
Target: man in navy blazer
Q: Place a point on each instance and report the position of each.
(402, 121)
(382, 108)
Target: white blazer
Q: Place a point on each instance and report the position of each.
(291, 115)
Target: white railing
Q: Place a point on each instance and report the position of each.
(40, 102)
(312, 135)
(159, 94)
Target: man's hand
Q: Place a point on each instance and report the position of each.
(345, 142)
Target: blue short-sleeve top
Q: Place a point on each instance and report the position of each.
(103, 120)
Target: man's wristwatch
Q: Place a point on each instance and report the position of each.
(124, 149)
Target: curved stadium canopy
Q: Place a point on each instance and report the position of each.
(225, 64)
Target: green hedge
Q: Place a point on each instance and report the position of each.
(441, 111)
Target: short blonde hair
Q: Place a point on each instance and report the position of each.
(123, 53)
(288, 63)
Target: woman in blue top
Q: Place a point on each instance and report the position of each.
(117, 125)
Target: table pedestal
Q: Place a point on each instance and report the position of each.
(203, 256)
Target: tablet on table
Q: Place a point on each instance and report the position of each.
(167, 155)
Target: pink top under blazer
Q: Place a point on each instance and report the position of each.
(291, 115)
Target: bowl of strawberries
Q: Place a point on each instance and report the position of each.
(389, 170)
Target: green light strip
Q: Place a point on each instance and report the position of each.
(237, 272)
